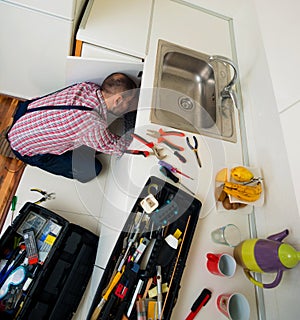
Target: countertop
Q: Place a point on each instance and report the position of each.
(126, 179)
(128, 175)
(104, 205)
(111, 196)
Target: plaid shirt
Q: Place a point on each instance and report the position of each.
(58, 131)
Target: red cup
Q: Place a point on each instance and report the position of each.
(234, 306)
(221, 264)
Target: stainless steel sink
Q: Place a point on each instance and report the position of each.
(188, 88)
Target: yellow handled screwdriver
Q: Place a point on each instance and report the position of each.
(112, 284)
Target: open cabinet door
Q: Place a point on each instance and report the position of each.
(80, 69)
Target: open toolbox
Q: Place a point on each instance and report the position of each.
(46, 263)
(142, 277)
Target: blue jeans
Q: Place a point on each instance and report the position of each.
(79, 164)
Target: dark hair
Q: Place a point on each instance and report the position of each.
(116, 83)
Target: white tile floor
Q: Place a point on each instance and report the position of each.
(77, 202)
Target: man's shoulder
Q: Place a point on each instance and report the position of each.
(89, 84)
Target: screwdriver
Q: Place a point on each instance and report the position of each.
(173, 169)
(13, 207)
(168, 173)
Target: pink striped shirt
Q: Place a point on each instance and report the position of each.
(58, 131)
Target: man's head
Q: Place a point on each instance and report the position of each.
(119, 93)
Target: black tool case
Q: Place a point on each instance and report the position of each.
(177, 213)
(53, 287)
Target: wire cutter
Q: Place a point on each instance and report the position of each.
(194, 148)
(45, 195)
(160, 136)
(156, 151)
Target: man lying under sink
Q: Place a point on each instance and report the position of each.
(62, 132)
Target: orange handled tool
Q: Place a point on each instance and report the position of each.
(156, 151)
(160, 136)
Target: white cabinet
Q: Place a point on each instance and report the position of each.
(190, 26)
(35, 40)
(92, 51)
(187, 26)
(69, 10)
(96, 70)
(117, 25)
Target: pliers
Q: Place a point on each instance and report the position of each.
(160, 136)
(156, 151)
(194, 148)
(45, 195)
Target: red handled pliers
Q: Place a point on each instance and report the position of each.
(156, 151)
(161, 134)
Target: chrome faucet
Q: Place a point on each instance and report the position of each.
(228, 92)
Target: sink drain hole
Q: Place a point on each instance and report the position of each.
(185, 103)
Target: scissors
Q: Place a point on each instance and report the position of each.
(194, 148)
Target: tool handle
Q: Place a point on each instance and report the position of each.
(198, 159)
(195, 143)
(180, 157)
(171, 133)
(166, 172)
(171, 144)
(137, 152)
(13, 203)
(166, 165)
(107, 310)
(39, 191)
(113, 283)
(142, 140)
(96, 313)
(200, 302)
(173, 169)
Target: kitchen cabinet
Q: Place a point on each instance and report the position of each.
(96, 52)
(195, 28)
(36, 37)
(79, 69)
(119, 26)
